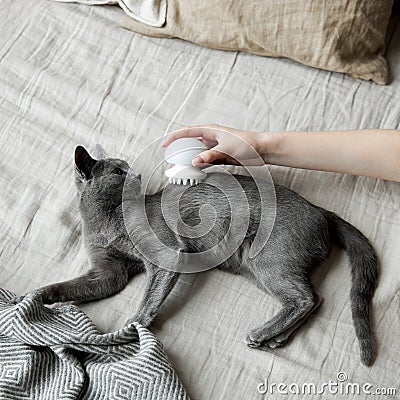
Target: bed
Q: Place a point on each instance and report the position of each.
(69, 75)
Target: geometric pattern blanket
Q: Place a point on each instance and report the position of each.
(57, 353)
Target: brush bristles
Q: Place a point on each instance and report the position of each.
(184, 181)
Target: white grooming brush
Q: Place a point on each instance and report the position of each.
(181, 153)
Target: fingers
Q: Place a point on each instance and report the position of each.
(200, 160)
(208, 157)
(180, 134)
(203, 132)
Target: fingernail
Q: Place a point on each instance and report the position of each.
(197, 160)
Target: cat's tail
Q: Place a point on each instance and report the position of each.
(364, 272)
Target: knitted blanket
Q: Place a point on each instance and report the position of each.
(57, 353)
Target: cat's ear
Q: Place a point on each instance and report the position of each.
(99, 152)
(83, 162)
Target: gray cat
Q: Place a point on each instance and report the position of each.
(301, 239)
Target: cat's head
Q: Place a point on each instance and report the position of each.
(100, 178)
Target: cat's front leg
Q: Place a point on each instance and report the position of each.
(159, 284)
(108, 276)
(54, 293)
(97, 283)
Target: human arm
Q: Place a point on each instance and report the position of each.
(371, 152)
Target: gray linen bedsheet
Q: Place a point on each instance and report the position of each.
(69, 74)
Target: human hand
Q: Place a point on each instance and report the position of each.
(348, 152)
(225, 145)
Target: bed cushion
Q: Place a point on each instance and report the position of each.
(343, 35)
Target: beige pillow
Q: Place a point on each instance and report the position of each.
(337, 35)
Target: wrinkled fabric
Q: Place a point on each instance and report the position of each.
(57, 353)
(70, 75)
(342, 35)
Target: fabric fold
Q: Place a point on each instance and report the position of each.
(58, 353)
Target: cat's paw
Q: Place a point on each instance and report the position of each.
(143, 320)
(277, 341)
(260, 338)
(18, 299)
(256, 338)
(130, 321)
(252, 340)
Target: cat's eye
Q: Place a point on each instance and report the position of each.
(118, 171)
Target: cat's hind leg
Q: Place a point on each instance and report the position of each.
(282, 338)
(298, 300)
